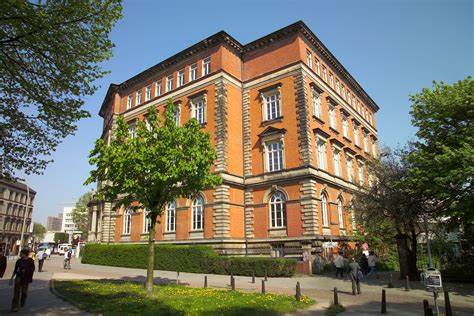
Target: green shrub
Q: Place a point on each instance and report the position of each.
(197, 259)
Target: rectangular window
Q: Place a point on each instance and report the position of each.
(148, 93)
(158, 89)
(331, 80)
(146, 223)
(171, 217)
(317, 104)
(193, 70)
(138, 97)
(337, 162)
(272, 105)
(169, 83)
(199, 109)
(309, 59)
(274, 156)
(374, 149)
(338, 87)
(366, 143)
(356, 135)
(321, 147)
(181, 78)
(332, 118)
(361, 173)
(132, 130)
(129, 102)
(325, 74)
(345, 127)
(177, 115)
(206, 66)
(350, 169)
(317, 66)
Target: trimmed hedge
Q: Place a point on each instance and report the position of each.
(197, 259)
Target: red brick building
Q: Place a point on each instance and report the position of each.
(292, 130)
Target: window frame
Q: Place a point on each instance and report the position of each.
(324, 211)
(271, 163)
(170, 226)
(277, 210)
(321, 151)
(206, 66)
(129, 102)
(193, 69)
(316, 95)
(202, 99)
(340, 215)
(309, 59)
(148, 93)
(266, 107)
(138, 97)
(146, 223)
(169, 83)
(127, 222)
(197, 212)
(158, 88)
(336, 153)
(180, 79)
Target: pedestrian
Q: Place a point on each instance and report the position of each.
(372, 262)
(41, 255)
(3, 263)
(67, 259)
(48, 252)
(364, 264)
(339, 263)
(23, 274)
(356, 275)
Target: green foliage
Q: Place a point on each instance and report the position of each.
(106, 297)
(197, 259)
(38, 230)
(61, 237)
(80, 213)
(334, 309)
(442, 162)
(51, 54)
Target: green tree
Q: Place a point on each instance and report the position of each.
(388, 212)
(38, 231)
(80, 213)
(61, 238)
(51, 54)
(442, 159)
(163, 162)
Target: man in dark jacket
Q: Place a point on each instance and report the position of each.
(23, 274)
(3, 263)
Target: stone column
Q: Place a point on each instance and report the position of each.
(303, 118)
(309, 207)
(108, 223)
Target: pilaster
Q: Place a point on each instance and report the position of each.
(246, 134)
(309, 207)
(221, 211)
(248, 213)
(303, 121)
(221, 133)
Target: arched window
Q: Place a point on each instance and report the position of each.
(324, 210)
(198, 213)
(171, 217)
(127, 222)
(277, 210)
(339, 213)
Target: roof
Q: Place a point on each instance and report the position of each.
(222, 37)
(16, 185)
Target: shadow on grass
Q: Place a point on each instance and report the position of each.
(126, 296)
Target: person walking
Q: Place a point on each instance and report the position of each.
(23, 274)
(41, 255)
(372, 261)
(67, 259)
(355, 274)
(3, 262)
(339, 263)
(48, 253)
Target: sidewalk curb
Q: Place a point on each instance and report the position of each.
(62, 297)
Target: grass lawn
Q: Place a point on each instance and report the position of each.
(124, 297)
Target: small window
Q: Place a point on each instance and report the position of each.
(350, 169)
(317, 102)
(340, 213)
(317, 67)
(274, 156)
(181, 78)
(177, 115)
(171, 217)
(132, 130)
(345, 126)
(127, 222)
(338, 87)
(374, 149)
(325, 74)
(206, 66)
(146, 223)
(169, 83)
(324, 210)
(148, 93)
(309, 59)
(129, 102)
(272, 105)
(321, 147)
(361, 172)
(356, 135)
(158, 88)
(337, 162)
(331, 80)
(193, 72)
(366, 143)
(277, 210)
(198, 213)
(199, 109)
(139, 97)
(332, 117)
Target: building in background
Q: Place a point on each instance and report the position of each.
(15, 211)
(68, 225)
(292, 131)
(54, 223)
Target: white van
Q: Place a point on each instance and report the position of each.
(63, 248)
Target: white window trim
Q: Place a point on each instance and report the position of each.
(282, 211)
(180, 79)
(193, 214)
(336, 152)
(309, 59)
(168, 80)
(158, 88)
(171, 207)
(146, 222)
(324, 211)
(196, 100)
(138, 97)
(177, 118)
(264, 96)
(340, 215)
(129, 102)
(206, 61)
(322, 163)
(345, 126)
(191, 68)
(332, 116)
(316, 95)
(271, 139)
(148, 93)
(132, 130)
(126, 229)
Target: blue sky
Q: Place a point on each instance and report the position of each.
(392, 48)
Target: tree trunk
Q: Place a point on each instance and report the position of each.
(407, 257)
(151, 257)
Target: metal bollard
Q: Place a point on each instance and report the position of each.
(336, 297)
(253, 276)
(263, 286)
(429, 312)
(390, 281)
(426, 305)
(177, 277)
(232, 283)
(384, 303)
(298, 291)
(447, 304)
(205, 281)
(266, 278)
(407, 283)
